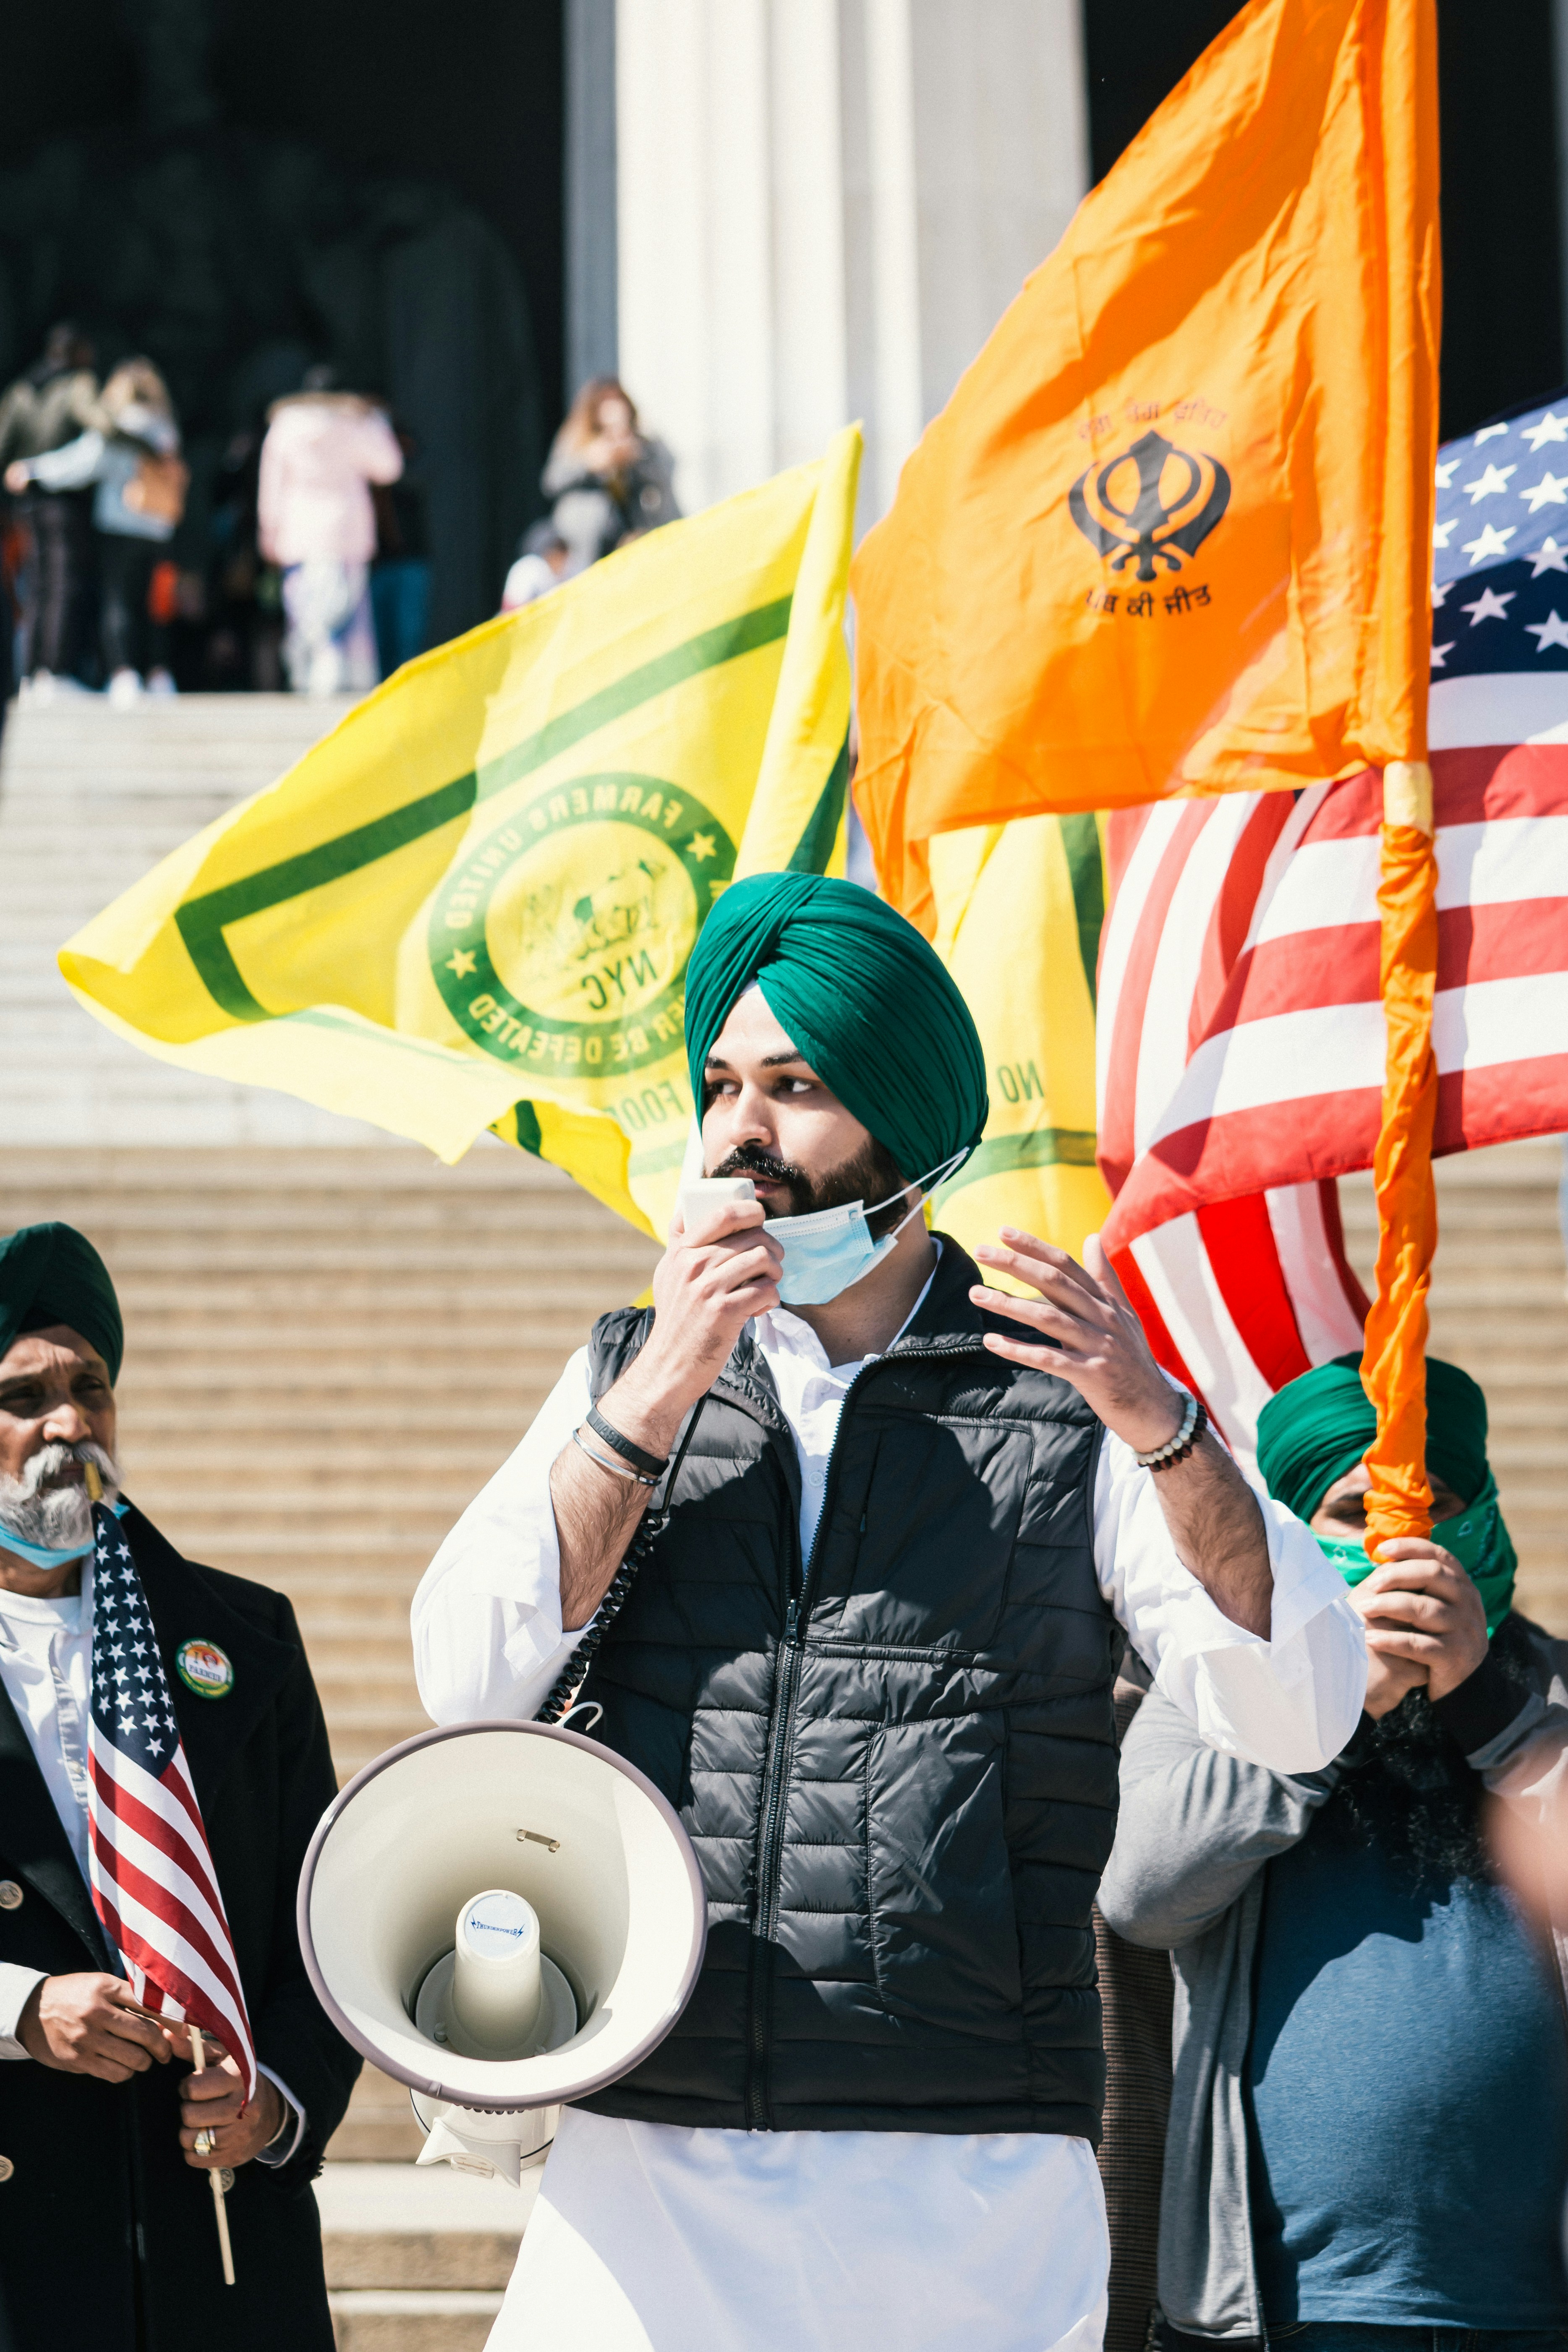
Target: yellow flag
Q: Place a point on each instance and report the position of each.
(472, 905)
(1018, 912)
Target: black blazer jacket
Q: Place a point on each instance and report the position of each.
(107, 2236)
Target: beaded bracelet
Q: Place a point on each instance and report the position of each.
(1194, 1420)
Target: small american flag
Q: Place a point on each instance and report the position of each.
(1240, 1034)
(153, 1884)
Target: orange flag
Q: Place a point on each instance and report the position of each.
(1172, 532)
(1171, 535)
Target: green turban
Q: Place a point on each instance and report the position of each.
(51, 1273)
(870, 1005)
(1318, 1428)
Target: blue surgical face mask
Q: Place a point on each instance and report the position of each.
(828, 1250)
(40, 1556)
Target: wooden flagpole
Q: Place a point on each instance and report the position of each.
(199, 2061)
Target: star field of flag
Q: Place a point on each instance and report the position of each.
(131, 1701)
(1500, 551)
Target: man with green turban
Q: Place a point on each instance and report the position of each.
(106, 2225)
(904, 1522)
(1369, 2055)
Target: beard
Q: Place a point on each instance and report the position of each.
(1414, 1795)
(42, 1507)
(872, 1174)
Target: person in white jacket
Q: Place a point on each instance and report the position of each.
(317, 521)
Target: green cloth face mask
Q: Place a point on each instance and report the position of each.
(1479, 1540)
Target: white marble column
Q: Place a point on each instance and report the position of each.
(824, 207)
(592, 322)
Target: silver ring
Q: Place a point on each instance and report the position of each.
(206, 2141)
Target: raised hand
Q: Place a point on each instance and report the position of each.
(1089, 1333)
(704, 1294)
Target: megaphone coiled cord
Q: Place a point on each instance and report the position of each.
(638, 1551)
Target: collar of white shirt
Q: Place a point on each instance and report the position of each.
(798, 1361)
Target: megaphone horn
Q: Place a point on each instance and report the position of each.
(505, 1916)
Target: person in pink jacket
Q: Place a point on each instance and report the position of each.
(317, 521)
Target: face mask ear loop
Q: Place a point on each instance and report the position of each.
(927, 1186)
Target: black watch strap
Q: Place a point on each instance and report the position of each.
(640, 1459)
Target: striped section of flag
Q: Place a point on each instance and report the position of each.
(153, 1884)
(1241, 1042)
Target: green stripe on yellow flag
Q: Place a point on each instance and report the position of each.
(1019, 909)
(472, 905)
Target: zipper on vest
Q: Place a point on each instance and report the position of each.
(780, 1742)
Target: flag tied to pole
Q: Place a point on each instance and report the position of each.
(472, 905)
(154, 1884)
(1170, 537)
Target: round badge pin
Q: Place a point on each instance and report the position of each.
(204, 1668)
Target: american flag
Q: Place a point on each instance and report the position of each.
(153, 1884)
(1240, 1034)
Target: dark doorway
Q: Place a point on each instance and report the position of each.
(245, 191)
(1502, 310)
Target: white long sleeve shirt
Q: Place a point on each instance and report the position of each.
(46, 1667)
(648, 2235)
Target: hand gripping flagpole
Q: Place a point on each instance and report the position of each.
(199, 2061)
(1394, 1358)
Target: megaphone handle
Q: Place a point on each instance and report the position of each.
(640, 1549)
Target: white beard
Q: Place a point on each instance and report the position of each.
(53, 1517)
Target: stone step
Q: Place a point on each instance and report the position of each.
(394, 2225)
(379, 2127)
(393, 2319)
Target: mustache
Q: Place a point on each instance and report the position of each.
(46, 1468)
(750, 1160)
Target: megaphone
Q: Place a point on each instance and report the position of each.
(505, 1916)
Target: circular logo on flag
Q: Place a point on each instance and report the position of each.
(204, 1668)
(560, 942)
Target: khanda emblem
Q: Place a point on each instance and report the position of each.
(1153, 504)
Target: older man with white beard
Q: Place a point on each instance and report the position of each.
(106, 2226)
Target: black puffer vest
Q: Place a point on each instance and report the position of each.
(896, 1759)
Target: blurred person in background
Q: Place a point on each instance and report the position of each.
(130, 459)
(51, 404)
(605, 479)
(400, 576)
(1368, 2136)
(543, 562)
(316, 520)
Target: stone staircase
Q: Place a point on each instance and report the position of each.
(419, 2261)
(90, 799)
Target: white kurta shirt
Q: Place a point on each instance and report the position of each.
(46, 1668)
(651, 2238)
